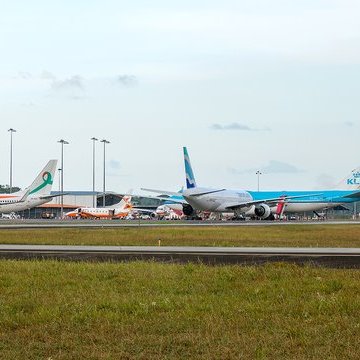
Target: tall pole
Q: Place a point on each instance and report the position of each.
(93, 170)
(62, 142)
(355, 211)
(11, 155)
(105, 142)
(258, 173)
(59, 170)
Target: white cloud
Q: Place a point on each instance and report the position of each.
(74, 82)
(325, 181)
(47, 75)
(235, 126)
(127, 80)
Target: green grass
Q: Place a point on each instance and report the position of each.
(291, 235)
(63, 310)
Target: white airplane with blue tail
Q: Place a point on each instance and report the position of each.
(262, 204)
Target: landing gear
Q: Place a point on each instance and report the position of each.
(319, 216)
(238, 218)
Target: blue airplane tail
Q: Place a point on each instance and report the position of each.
(190, 179)
(351, 182)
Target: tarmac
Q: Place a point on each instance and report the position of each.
(329, 257)
(81, 223)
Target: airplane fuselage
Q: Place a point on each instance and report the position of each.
(98, 213)
(219, 201)
(20, 206)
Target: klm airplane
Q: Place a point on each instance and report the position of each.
(263, 204)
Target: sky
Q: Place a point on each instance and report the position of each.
(245, 85)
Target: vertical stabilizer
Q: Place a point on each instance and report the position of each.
(190, 179)
(124, 204)
(352, 181)
(43, 182)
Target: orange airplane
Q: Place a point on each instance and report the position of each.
(117, 211)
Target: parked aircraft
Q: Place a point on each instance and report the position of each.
(172, 206)
(36, 194)
(117, 211)
(171, 211)
(263, 204)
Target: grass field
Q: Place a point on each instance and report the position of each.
(291, 235)
(63, 310)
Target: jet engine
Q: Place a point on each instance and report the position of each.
(262, 211)
(188, 210)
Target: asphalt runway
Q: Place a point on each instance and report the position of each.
(47, 224)
(329, 257)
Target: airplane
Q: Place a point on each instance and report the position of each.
(171, 211)
(172, 206)
(36, 194)
(117, 211)
(262, 204)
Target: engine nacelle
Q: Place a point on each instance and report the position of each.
(262, 211)
(188, 210)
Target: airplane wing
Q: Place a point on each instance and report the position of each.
(177, 201)
(270, 202)
(171, 193)
(163, 192)
(355, 194)
(165, 198)
(87, 214)
(149, 211)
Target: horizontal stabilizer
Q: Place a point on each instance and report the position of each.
(52, 196)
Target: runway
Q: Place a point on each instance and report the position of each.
(330, 257)
(51, 224)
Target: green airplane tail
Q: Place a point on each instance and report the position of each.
(43, 182)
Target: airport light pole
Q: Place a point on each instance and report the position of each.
(11, 130)
(93, 139)
(62, 142)
(258, 173)
(355, 210)
(59, 170)
(104, 141)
